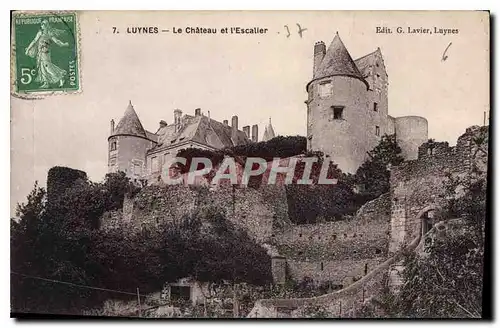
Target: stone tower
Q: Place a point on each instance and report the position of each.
(127, 145)
(347, 110)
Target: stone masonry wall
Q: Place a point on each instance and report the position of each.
(258, 211)
(339, 251)
(420, 184)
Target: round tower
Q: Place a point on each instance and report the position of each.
(127, 145)
(337, 112)
(411, 133)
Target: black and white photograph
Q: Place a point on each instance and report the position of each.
(250, 164)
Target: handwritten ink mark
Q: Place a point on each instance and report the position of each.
(288, 31)
(301, 29)
(444, 53)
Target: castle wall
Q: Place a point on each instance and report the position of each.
(377, 97)
(419, 185)
(391, 129)
(411, 132)
(338, 251)
(257, 211)
(345, 140)
(165, 155)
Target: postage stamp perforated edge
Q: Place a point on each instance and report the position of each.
(38, 94)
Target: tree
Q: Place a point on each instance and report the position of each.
(373, 175)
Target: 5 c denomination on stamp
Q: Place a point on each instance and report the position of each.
(45, 52)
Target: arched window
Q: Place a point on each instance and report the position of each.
(113, 145)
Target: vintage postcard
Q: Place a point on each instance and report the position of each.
(250, 164)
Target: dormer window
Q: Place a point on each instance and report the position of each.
(325, 89)
(336, 113)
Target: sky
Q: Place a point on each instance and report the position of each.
(253, 76)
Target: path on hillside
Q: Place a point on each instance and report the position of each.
(268, 308)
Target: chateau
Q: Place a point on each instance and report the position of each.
(347, 108)
(141, 154)
(347, 115)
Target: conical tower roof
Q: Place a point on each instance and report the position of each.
(269, 132)
(130, 124)
(338, 62)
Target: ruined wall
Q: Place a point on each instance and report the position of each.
(419, 185)
(339, 251)
(258, 211)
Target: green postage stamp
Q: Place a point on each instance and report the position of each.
(45, 52)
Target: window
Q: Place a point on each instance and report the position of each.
(137, 169)
(377, 130)
(375, 107)
(336, 113)
(322, 267)
(173, 141)
(182, 138)
(325, 89)
(113, 145)
(155, 167)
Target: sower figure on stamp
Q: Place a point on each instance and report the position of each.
(39, 48)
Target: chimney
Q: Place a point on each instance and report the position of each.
(234, 122)
(255, 133)
(112, 126)
(197, 112)
(246, 129)
(177, 119)
(225, 122)
(319, 53)
(163, 124)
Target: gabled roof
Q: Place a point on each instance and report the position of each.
(363, 63)
(200, 129)
(268, 132)
(130, 124)
(338, 62)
